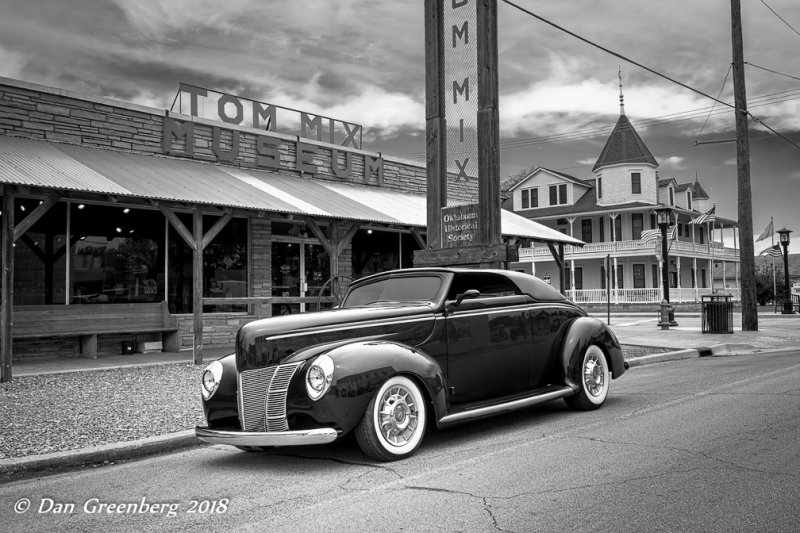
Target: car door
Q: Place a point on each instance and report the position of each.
(488, 339)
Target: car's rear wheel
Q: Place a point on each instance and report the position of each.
(594, 379)
(394, 422)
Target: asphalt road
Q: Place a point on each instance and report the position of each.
(706, 444)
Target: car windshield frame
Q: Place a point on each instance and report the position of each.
(387, 290)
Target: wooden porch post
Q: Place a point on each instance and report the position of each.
(6, 305)
(197, 285)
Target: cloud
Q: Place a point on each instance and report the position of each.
(11, 63)
(674, 161)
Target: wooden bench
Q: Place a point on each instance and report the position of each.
(87, 321)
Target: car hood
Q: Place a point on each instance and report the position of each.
(272, 340)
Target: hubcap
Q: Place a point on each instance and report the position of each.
(398, 415)
(593, 375)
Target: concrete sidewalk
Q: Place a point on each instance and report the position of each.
(775, 331)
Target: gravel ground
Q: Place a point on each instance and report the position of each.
(58, 412)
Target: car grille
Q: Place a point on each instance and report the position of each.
(262, 397)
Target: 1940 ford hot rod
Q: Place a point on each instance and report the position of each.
(406, 349)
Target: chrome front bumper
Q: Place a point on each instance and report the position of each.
(271, 438)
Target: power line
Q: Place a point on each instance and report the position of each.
(652, 71)
(615, 54)
(773, 71)
(730, 67)
(758, 101)
(780, 17)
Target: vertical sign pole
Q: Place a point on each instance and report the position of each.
(488, 125)
(435, 153)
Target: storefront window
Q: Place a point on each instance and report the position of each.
(224, 267)
(378, 251)
(117, 255)
(40, 256)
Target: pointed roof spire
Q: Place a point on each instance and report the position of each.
(621, 97)
(699, 193)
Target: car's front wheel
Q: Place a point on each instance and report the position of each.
(394, 422)
(593, 377)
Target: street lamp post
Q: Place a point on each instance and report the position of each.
(788, 309)
(664, 220)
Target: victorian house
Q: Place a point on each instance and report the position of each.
(609, 212)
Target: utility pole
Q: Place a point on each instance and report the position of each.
(745, 213)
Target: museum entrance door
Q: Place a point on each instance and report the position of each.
(299, 269)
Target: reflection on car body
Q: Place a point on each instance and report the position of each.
(407, 349)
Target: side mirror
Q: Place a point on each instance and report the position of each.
(472, 293)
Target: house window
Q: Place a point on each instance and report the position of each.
(599, 187)
(637, 225)
(700, 233)
(558, 194)
(671, 196)
(703, 281)
(653, 221)
(586, 230)
(602, 230)
(602, 277)
(655, 274)
(530, 198)
(688, 199)
(620, 276)
(636, 183)
(618, 228)
(578, 277)
(638, 276)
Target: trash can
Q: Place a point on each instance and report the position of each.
(717, 311)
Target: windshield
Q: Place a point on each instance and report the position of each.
(395, 289)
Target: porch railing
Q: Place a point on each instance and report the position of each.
(626, 296)
(719, 251)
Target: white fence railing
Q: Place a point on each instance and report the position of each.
(652, 247)
(626, 296)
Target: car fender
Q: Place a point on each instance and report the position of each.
(582, 333)
(360, 370)
(221, 409)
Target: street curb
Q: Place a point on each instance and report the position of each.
(662, 357)
(98, 454)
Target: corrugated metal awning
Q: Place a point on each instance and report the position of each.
(94, 170)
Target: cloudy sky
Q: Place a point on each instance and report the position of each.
(362, 61)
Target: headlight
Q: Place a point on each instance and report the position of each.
(319, 376)
(212, 376)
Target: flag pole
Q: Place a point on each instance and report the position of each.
(774, 285)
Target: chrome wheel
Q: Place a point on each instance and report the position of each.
(594, 377)
(394, 422)
(398, 416)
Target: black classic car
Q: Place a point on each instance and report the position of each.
(407, 349)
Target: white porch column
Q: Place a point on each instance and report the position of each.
(660, 278)
(616, 285)
(710, 274)
(613, 217)
(692, 225)
(724, 280)
(572, 277)
(678, 276)
(694, 281)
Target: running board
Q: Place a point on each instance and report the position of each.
(513, 405)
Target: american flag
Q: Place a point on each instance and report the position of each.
(774, 251)
(708, 216)
(655, 234)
